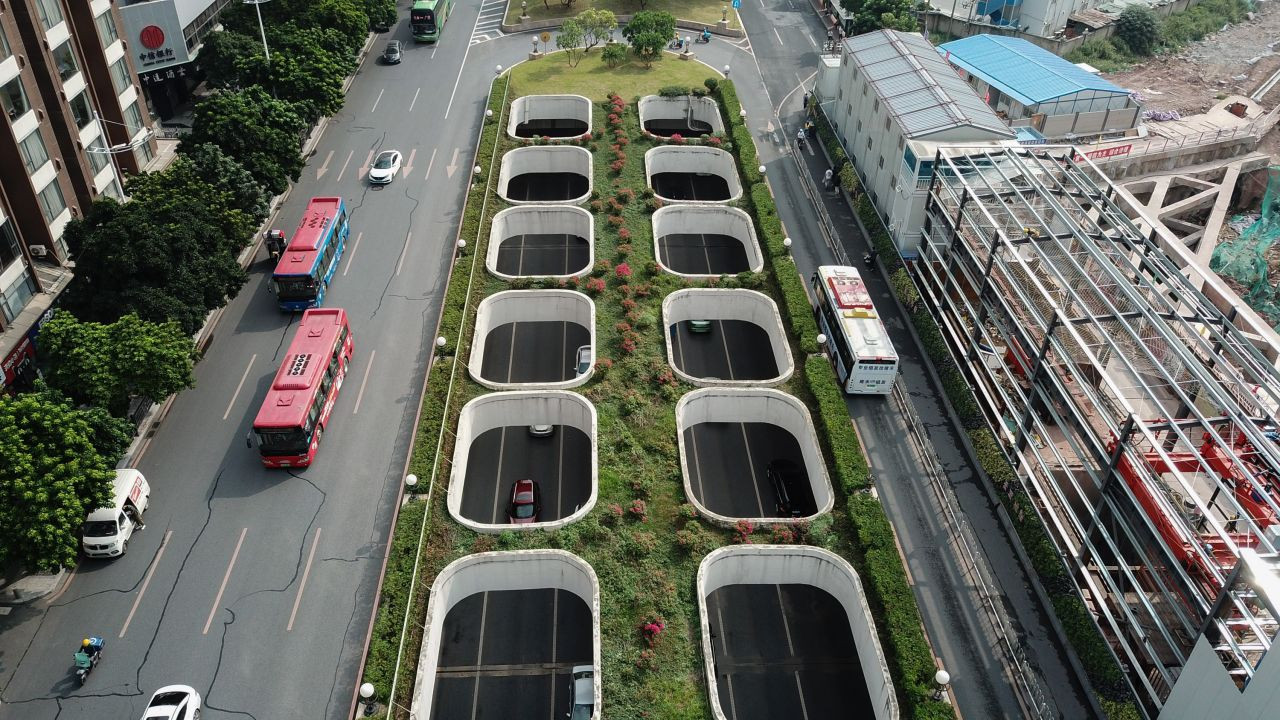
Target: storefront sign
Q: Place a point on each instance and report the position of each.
(22, 358)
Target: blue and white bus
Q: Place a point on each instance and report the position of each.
(308, 262)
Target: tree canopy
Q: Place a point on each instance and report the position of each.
(263, 133)
(224, 173)
(51, 477)
(871, 15)
(107, 365)
(597, 26)
(1138, 28)
(110, 435)
(649, 32)
(570, 39)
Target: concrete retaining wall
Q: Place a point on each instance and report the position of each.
(760, 405)
(707, 220)
(691, 159)
(545, 159)
(514, 570)
(656, 107)
(531, 306)
(729, 304)
(541, 220)
(549, 107)
(798, 565)
(522, 408)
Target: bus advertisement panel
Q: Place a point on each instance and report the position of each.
(309, 260)
(427, 19)
(297, 407)
(859, 345)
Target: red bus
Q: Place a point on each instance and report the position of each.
(297, 407)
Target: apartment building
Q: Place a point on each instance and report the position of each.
(75, 125)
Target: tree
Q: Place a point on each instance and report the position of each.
(870, 15)
(382, 13)
(110, 435)
(597, 26)
(1138, 29)
(221, 57)
(51, 477)
(614, 54)
(263, 133)
(109, 365)
(347, 17)
(226, 174)
(570, 38)
(306, 73)
(649, 32)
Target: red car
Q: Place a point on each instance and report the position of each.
(526, 503)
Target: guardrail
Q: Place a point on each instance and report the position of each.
(1036, 701)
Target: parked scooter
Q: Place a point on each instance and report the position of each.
(86, 658)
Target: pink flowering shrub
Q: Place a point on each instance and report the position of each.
(623, 270)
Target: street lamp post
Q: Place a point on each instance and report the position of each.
(257, 6)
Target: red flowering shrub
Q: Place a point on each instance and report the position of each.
(615, 119)
(626, 195)
(586, 137)
(617, 206)
(628, 345)
(615, 147)
(644, 290)
(597, 205)
(652, 630)
(628, 304)
(603, 366)
(613, 513)
(617, 166)
(639, 510)
(601, 267)
(623, 270)
(622, 327)
(742, 532)
(714, 141)
(622, 138)
(595, 286)
(677, 139)
(615, 220)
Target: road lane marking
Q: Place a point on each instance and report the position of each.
(351, 257)
(236, 394)
(155, 561)
(728, 356)
(475, 692)
(786, 626)
(560, 513)
(452, 167)
(408, 166)
(403, 252)
(497, 476)
(431, 162)
(724, 646)
(377, 100)
(812, 42)
(458, 79)
(324, 168)
(306, 572)
(751, 468)
(225, 577)
(415, 96)
(777, 35)
(344, 165)
(360, 395)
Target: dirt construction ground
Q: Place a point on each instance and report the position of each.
(1235, 61)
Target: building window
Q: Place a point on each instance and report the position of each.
(81, 110)
(886, 123)
(9, 250)
(14, 98)
(881, 162)
(107, 31)
(143, 154)
(875, 107)
(899, 143)
(133, 118)
(50, 13)
(99, 158)
(868, 143)
(5, 51)
(113, 190)
(65, 61)
(120, 78)
(859, 126)
(51, 201)
(16, 296)
(34, 154)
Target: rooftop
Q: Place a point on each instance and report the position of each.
(922, 92)
(1023, 70)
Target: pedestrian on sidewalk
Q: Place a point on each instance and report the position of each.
(827, 181)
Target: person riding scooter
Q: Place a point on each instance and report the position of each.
(87, 656)
(706, 35)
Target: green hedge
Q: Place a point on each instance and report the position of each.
(392, 604)
(748, 160)
(850, 466)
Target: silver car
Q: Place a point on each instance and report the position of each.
(582, 692)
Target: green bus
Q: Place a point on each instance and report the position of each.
(427, 18)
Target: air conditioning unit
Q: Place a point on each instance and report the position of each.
(39, 251)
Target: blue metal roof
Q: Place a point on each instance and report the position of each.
(1022, 70)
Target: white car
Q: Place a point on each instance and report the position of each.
(385, 167)
(174, 702)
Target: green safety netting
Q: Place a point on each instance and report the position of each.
(1244, 259)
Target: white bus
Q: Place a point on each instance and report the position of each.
(859, 345)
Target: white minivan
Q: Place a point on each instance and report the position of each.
(107, 530)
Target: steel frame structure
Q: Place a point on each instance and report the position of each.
(1107, 377)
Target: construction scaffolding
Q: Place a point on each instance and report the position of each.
(1140, 418)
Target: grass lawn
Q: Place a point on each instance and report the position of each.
(595, 80)
(702, 11)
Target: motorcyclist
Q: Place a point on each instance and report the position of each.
(90, 649)
(706, 35)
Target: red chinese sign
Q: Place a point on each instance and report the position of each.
(1113, 151)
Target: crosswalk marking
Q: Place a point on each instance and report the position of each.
(489, 24)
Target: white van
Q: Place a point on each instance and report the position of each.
(107, 530)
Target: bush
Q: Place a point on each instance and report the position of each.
(711, 83)
(1138, 29)
(670, 91)
(614, 54)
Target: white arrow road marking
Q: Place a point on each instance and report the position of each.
(325, 167)
(452, 167)
(408, 167)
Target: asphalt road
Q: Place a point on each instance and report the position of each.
(508, 654)
(785, 651)
(699, 254)
(533, 352)
(257, 587)
(733, 350)
(553, 254)
(560, 464)
(727, 464)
